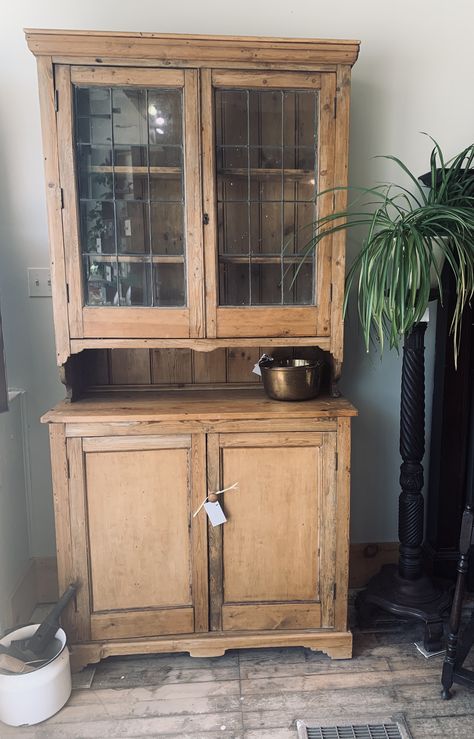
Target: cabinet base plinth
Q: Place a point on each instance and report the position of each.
(336, 644)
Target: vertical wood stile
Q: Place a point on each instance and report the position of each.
(339, 240)
(53, 204)
(199, 535)
(70, 215)
(209, 201)
(215, 538)
(57, 441)
(342, 515)
(328, 496)
(193, 202)
(79, 539)
(326, 140)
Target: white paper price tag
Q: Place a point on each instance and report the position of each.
(215, 513)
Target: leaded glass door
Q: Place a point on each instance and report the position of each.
(270, 142)
(132, 207)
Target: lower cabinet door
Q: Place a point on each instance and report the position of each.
(139, 555)
(272, 564)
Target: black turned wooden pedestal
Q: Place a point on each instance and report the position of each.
(405, 590)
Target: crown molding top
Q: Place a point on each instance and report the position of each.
(167, 49)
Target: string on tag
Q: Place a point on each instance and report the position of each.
(218, 492)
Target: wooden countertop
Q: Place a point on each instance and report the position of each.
(191, 405)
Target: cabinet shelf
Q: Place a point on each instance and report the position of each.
(137, 258)
(261, 259)
(294, 174)
(126, 169)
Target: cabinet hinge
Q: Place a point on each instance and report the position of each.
(67, 291)
(337, 461)
(61, 197)
(68, 466)
(56, 101)
(334, 591)
(335, 106)
(205, 219)
(330, 293)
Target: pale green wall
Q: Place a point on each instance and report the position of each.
(414, 74)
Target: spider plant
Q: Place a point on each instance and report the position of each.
(405, 231)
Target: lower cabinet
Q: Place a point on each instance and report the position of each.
(272, 563)
(154, 577)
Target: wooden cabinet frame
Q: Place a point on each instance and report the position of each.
(136, 438)
(188, 421)
(203, 61)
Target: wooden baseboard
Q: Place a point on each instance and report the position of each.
(365, 560)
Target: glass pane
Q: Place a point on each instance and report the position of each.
(134, 283)
(266, 159)
(165, 117)
(266, 228)
(93, 165)
(298, 226)
(265, 117)
(101, 281)
(233, 219)
(94, 115)
(169, 284)
(266, 284)
(234, 284)
(129, 116)
(132, 227)
(97, 226)
(167, 228)
(298, 282)
(300, 118)
(130, 175)
(231, 117)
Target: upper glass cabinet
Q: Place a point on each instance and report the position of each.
(134, 228)
(272, 137)
(266, 161)
(129, 154)
(189, 201)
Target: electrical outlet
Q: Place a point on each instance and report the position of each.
(39, 282)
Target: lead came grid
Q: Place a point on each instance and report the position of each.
(266, 153)
(129, 145)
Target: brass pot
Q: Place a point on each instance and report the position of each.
(292, 379)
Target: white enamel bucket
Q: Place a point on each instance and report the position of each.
(35, 696)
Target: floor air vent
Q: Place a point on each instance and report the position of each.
(389, 730)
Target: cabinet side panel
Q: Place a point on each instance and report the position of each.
(79, 550)
(53, 203)
(341, 162)
(70, 209)
(329, 530)
(57, 441)
(342, 520)
(138, 509)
